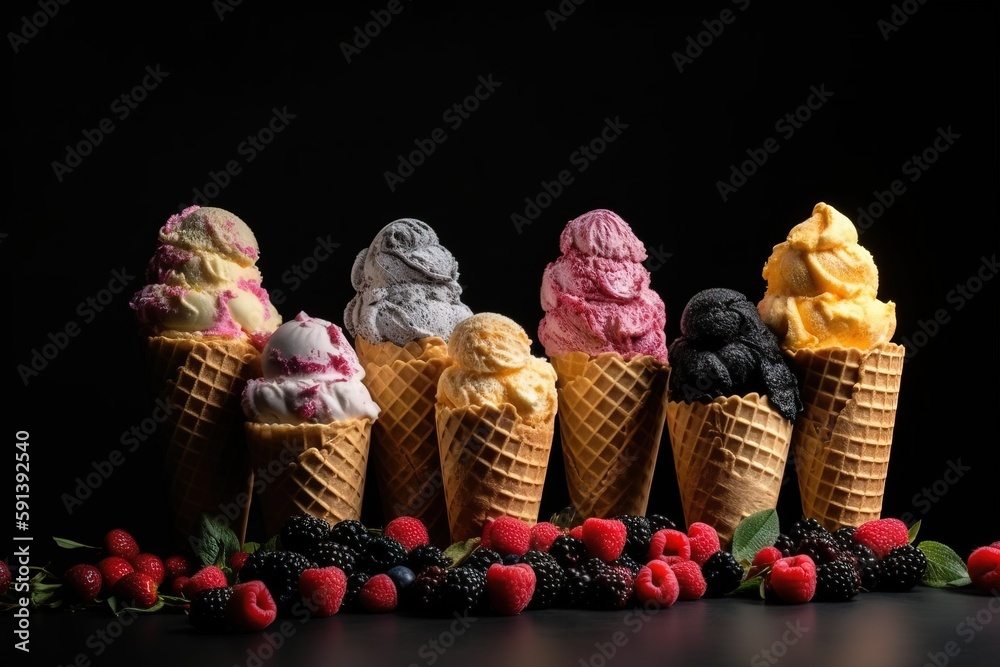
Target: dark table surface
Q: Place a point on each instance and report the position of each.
(922, 627)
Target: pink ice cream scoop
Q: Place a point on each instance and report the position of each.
(597, 297)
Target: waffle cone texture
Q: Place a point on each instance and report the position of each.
(493, 465)
(730, 456)
(314, 468)
(611, 418)
(205, 460)
(402, 380)
(843, 437)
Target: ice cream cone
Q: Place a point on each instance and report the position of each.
(730, 456)
(314, 468)
(205, 460)
(493, 465)
(611, 416)
(403, 382)
(842, 439)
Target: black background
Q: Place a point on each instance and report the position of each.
(323, 176)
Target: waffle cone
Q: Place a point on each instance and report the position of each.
(205, 460)
(730, 457)
(493, 465)
(842, 439)
(611, 416)
(314, 468)
(403, 380)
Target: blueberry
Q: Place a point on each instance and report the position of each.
(402, 576)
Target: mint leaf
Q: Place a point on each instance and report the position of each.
(914, 529)
(755, 532)
(251, 547)
(70, 544)
(270, 545)
(217, 542)
(752, 585)
(944, 566)
(459, 551)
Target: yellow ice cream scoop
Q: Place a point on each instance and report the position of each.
(494, 366)
(821, 288)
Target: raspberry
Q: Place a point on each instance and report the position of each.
(689, 579)
(805, 528)
(177, 585)
(549, 578)
(208, 609)
(251, 607)
(610, 588)
(302, 532)
(328, 554)
(669, 543)
(638, 534)
(604, 538)
(151, 565)
(507, 535)
(350, 533)
(837, 581)
(84, 580)
(178, 566)
(408, 531)
(660, 522)
(656, 581)
(901, 569)
(543, 535)
(764, 559)
(882, 535)
(5, 577)
(118, 542)
(423, 557)
(382, 553)
(207, 577)
(722, 574)
(138, 588)
(379, 594)
(237, 560)
(704, 541)
(568, 551)
(322, 590)
(792, 579)
(510, 587)
(577, 532)
(280, 572)
(984, 567)
(112, 569)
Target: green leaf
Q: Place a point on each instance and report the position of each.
(217, 542)
(70, 544)
(113, 603)
(459, 551)
(156, 607)
(914, 529)
(959, 583)
(755, 532)
(251, 547)
(749, 586)
(270, 545)
(944, 566)
(565, 519)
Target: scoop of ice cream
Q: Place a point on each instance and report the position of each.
(726, 350)
(597, 297)
(407, 287)
(493, 366)
(203, 279)
(311, 375)
(822, 285)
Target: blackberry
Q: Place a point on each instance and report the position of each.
(208, 609)
(821, 548)
(549, 578)
(610, 588)
(462, 590)
(574, 589)
(382, 553)
(327, 554)
(627, 561)
(806, 528)
(568, 551)
(355, 583)
(901, 569)
(844, 537)
(424, 556)
(423, 595)
(595, 566)
(722, 574)
(638, 534)
(351, 534)
(867, 566)
(481, 559)
(785, 545)
(837, 581)
(302, 533)
(660, 522)
(280, 572)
